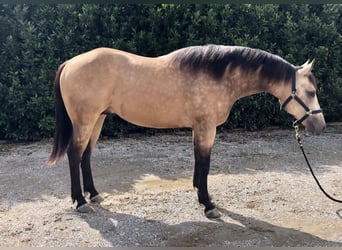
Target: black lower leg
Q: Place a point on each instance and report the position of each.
(88, 183)
(202, 160)
(196, 176)
(74, 162)
(203, 195)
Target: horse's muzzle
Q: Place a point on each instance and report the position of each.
(315, 124)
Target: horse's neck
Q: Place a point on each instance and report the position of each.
(249, 84)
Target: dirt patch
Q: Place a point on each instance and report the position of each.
(259, 181)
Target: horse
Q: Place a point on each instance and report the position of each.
(193, 87)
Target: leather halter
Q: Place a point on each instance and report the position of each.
(293, 96)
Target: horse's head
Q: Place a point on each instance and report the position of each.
(302, 101)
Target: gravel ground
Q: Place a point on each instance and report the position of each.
(258, 180)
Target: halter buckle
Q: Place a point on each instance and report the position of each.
(309, 112)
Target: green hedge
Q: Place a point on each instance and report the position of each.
(35, 39)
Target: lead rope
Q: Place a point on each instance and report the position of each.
(296, 127)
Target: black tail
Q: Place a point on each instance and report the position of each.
(63, 127)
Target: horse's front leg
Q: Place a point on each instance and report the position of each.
(203, 139)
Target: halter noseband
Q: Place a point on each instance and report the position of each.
(308, 111)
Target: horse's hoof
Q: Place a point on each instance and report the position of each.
(97, 199)
(85, 208)
(213, 214)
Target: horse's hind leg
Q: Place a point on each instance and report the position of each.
(78, 144)
(203, 139)
(88, 183)
(74, 156)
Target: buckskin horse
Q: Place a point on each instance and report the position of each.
(193, 87)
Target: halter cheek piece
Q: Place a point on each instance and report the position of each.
(293, 96)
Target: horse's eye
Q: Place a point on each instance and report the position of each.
(311, 94)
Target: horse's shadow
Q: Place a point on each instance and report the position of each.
(128, 230)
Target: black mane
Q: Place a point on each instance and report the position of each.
(214, 59)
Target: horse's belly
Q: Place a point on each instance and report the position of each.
(154, 116)
(155, 121)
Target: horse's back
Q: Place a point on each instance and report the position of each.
(150, 92)
(141, 90)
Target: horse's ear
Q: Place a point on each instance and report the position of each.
(305, 64)
(306, 68)
(312, 63)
